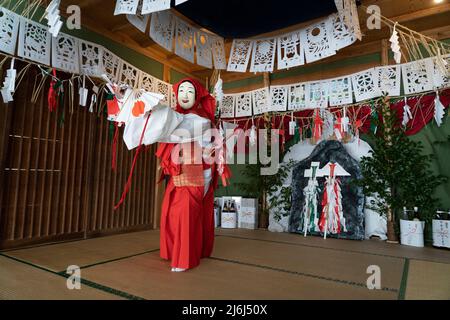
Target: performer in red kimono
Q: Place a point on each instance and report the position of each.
(187, 156)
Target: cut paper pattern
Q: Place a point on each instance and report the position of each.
(342, 35)
(9, 30)
(389, 80)
(227, 106)
(340, 91)
(184, 40)
(263, 56)
(290, 51)
(139, 20)
(147, 82)
(218, 52)
(243, 105)
(128, 75)
(278, 98)
(395, 46)
(173, 99)
(204, 49)
(111, 65)
(126, 7)
(164, 89)
(240, 55)
(297, 96)
(65, 53)
(317, 41)
(417, 76)
(91, 56)
(441, 71)
(149, 6)
(162, 27)
(260, 101)
(34, 41)
(318, 95)
(365, 85)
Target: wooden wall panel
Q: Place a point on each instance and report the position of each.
(56, 177)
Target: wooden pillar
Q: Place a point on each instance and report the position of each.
(384, 52)
(266, 79)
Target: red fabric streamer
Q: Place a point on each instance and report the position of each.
(114, 147)
(52, 92)
(318, 123)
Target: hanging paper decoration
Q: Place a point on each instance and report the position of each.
(147, 82)
(184, 40)
(318, 95)
(126, 7)
(177, 2)
(91, 56)
(417, 76)
(253, 135)
(9, 84)
(263, 57)
(406, 113)
(439, 110)
(340, 91)
(65, 53)
(290, 51)
(112, 65)
(365, 85)
(261, 101)
(311, 194)
(53, 18)
(240, 55)
(83, 93)
(218, 90)
(243, 104)
(163, 88)
(441, 71)
(389, 80)
(9, 29)
(332, 218)
(34, 42)
(128, 75)
(218, 52)
(278, 98)
(317, 41)
(395, 46)
(149, 6)
(227, 106)
(204, 49)
(297, 97)
(342, 35)
(173, 100)
(317, 128)
(139, 20)
(348, 12)
(162, 25)
(52, 97)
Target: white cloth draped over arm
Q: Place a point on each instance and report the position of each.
(165, 125)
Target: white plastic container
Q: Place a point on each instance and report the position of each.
(411, 233)
(441, 233)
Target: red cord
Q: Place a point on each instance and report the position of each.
(114, 147)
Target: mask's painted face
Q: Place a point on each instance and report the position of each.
(186, 95)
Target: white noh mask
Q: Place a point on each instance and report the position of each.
(186, 95)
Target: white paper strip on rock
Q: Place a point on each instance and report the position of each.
(318, 95)
(297, 96)
(111, 65)
(389, 80)
(147, 82)
(340, 91)
(184, 40)
(263, 57)
(417, 76)
(91, 56)
(240, 55)
(278, 98)
(342, 35)
(290, 51)
(34, 41)
(164, 89)
(365, 85)
(149, 6)
(260, 98)
(162, 25)
(9, 30)
(317, 40)
(243, 104)
(218, 52)
(227, 106)
(65, 53)
(129, 75)
(126, 7)
(204, 49)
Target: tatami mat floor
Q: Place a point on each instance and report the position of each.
(246, 264)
